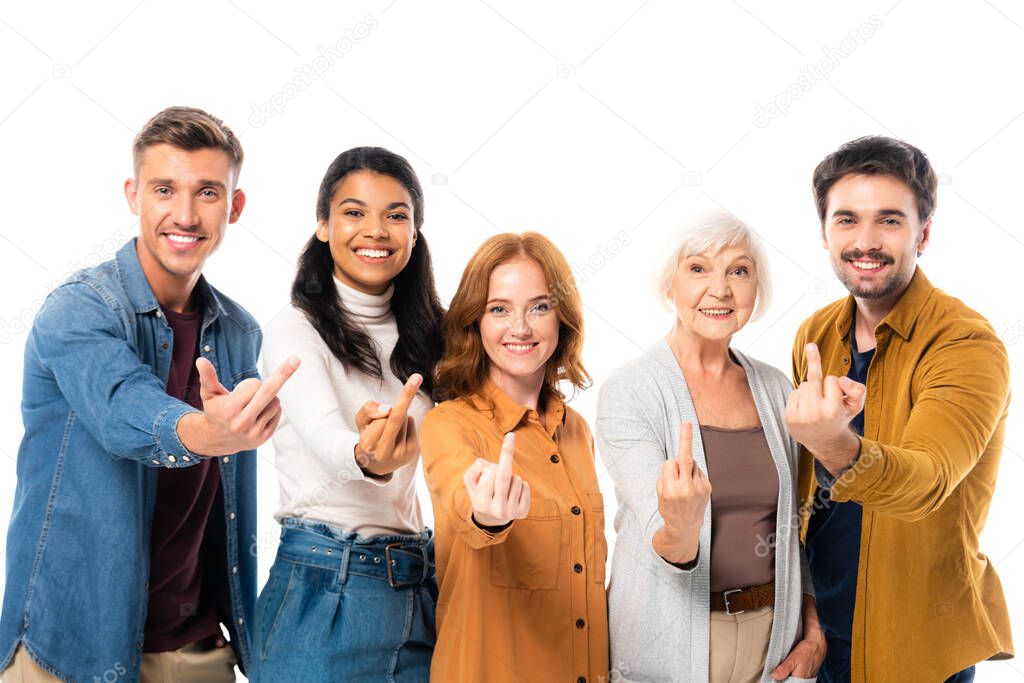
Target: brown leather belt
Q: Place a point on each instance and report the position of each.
(740, 600)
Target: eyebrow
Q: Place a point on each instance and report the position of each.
(203, 182)
(360, 202)
(506, 301)
(881, 212)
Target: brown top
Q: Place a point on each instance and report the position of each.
(744, 501)
(526, 603)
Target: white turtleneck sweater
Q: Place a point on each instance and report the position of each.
(315, 439)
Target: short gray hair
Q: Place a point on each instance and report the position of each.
(709, 233)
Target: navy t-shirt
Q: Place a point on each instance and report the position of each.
(833, 552)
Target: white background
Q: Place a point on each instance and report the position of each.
(600, 124)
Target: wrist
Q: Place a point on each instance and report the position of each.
(678, 546)
(839, 454)
(489, 523)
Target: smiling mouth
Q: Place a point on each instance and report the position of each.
(374, 255)
(716, 313)
(180, 241)
(520, 348)
(866, 265)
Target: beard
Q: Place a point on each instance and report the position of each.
(892, 283)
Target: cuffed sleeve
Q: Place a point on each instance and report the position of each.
(447, 450)
(962, 392)
(633, 456)
(79, 342)
(310, 405)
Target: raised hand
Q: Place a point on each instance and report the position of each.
(683, 494)
(387, 434)
(498, 496)
(819, 412)
(237, 420)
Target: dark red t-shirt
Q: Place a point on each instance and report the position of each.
(179, 612)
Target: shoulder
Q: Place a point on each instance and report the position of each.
(637, 381)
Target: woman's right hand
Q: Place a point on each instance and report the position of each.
(683, 494)
(498, 496)
(387, 434)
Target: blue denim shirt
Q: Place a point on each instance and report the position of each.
(98, 425)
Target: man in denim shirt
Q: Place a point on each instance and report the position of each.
(135, 506)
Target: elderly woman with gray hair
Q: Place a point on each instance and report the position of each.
(708, 579)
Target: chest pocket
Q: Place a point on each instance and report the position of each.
(531, 556)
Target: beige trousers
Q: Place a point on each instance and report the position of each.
(739, 644)
(190, 664)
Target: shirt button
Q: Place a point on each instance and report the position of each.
(227, 459)
(232, 515)
(138, 644)
(239, 621)
(554, 458)
(164, 346)
(234, 570)
(846, 361)
(575, 509)
(171, 458)
(580, 623)
(206, 348)
(577, 567)
(186, 458)
(159, 313)
(156, 462)
(581, 679)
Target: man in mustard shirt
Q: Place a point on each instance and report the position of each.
(901, 408)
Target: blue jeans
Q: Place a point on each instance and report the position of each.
(332, 610)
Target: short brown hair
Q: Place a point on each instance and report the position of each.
(187, 128)
(464, 365)
(878, 155)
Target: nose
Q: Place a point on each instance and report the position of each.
(719, 286)
(375, 229)
(868, 238)
(519, 326)
(185, 211)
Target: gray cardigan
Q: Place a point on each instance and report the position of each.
(658, 613)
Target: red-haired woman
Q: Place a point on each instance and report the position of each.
(519, 517)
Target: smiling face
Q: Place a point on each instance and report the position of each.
(714, 295)
(184, 201)
(370, 230)
(519, 326)
(873, 234)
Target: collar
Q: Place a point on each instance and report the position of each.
(141, 294)
(903, 316)
(508, 414)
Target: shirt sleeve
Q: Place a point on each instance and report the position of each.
(309, 402)
(633, 456)
(447, 450)
(961, 390)
(78, 341)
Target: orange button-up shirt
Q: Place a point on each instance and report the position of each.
(929, 602)
(526, 603)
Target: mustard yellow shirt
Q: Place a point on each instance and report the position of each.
(929, 602)
(526, 603)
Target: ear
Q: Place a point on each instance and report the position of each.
(322, 232)
(237, 204)
(925, 238)
(131, 194)
(415, 234)
(824, 237)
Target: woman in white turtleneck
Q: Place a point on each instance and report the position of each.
(351, 593)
